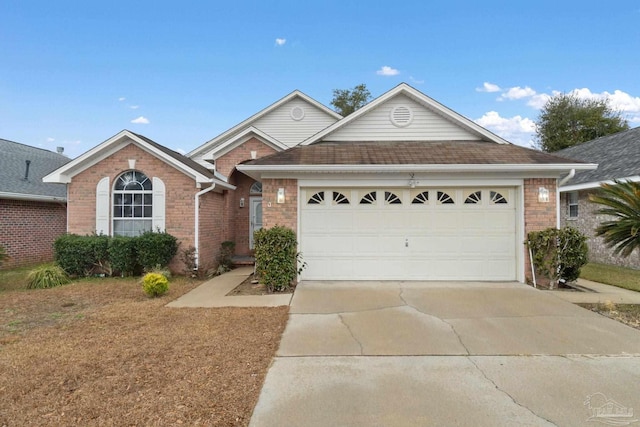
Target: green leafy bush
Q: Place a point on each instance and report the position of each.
(123, 256)
(277, 258)
(77, 255)
(47, 276)
(155, 284)
(558, 253)
(155, 249)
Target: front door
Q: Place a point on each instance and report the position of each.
(255, 217)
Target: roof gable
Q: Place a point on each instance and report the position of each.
(13, 170)
(187, 166)
(617, 155)
(278, 121)
(405, 114)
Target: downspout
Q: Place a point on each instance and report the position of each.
(197, 224)
(563, 181)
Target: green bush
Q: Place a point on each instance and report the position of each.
(123, 256)
(3, 255)
(47, 276)
(76, 255)
(155, 284)
(277, 258)
(558, 253)
(155, 249)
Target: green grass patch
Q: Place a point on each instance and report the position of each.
(621, 277)
(16, 278)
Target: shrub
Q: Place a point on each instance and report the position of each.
(558, 253)
(47, 276)
(155, 284)
(155, 249)
(76, 255)
(123, 256)
(3, 255)
(188, 257)
(227, 249)
(277, 258)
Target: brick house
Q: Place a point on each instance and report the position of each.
(618, 158)
(32, 214)
(403, 188)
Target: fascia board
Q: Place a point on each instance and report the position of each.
(595, 184)
(31, 197)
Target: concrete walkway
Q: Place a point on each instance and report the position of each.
(600, 293)
(421, 354)
(213, 293)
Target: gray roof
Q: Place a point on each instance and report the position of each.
(617, 155)
(13, 157)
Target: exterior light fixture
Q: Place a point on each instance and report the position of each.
(242, 202)
(412, 181)
(543, 195)
(280, 196)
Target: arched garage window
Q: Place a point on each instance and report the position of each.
(132, 204)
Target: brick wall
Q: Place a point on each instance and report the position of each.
(239, 216)
(285, 214)
(180, 194)
(586, 223)
(538, 216)
(227, 163)
(211, 233)
(28, 230)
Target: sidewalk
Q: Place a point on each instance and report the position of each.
(600, 293)
(212, 293)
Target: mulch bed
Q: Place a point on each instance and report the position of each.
(248, 287)
(629, 314)
(99, 352)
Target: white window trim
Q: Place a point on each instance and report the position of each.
(570, 204)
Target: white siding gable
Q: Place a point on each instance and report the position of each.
(280, 125)
(426, 125)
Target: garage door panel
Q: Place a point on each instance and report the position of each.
(426, 241)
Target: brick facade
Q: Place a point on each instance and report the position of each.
(180, 195)
(28, 230)
(538, 216)
(285, 214)
(211, 229)
(586, 222)
(227, 163)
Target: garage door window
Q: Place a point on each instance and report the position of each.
(368, 199)
(497, 198)
(391, 198)
(473, 198)
(339, 198)
(317, 199)
(421, 198)
(444, 198)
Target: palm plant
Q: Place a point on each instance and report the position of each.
(621, 202)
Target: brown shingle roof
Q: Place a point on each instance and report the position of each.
(409, 153)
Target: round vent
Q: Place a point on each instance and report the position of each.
(297, 113)
(401, 116)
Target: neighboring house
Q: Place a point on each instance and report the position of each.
(403, 188)
(618, 158)
(32, 213)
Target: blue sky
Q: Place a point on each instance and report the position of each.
(74, 73)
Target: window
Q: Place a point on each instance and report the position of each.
(573, 204)
(132, 204)
(340, 199)
(368, 199)
(421, 198)
(317, 198)
(256, 188)
(497, 198)
(444, 198)
(473, 198)
(391, 199)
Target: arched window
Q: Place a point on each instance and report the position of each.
(132, 204)
(256, 188)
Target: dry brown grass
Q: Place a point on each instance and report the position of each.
(99, 352)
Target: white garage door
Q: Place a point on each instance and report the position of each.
(408, 234)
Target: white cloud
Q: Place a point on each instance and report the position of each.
(387, 71)
(488, 87)
(122, 98)
(49, 139)
(516, 129)
(416, 81)
(518, 92)
(141, 120)
(134, 107)
(280, 42)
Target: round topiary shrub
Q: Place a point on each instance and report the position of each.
(155, 284)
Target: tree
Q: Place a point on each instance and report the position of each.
(566, 120)
(621, 201)
(347, 101)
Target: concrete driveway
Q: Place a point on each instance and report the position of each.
(418, 354)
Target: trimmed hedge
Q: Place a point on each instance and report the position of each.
(100, 254)
(277, 257)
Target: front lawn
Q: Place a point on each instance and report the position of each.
(612, 275)
(99, 352)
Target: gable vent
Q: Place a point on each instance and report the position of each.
(401, 116)
(297, 113)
